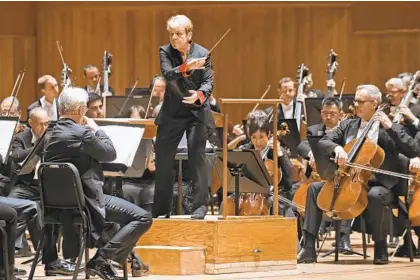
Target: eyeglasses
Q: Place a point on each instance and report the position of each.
(361, 102)
(331, 114)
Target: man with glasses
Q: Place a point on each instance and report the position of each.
(330, 116)
(380, 189)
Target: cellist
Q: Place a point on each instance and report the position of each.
(367, 100)
(330, 116)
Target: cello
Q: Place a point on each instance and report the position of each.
(345, 196)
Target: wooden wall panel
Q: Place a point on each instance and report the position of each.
(266, 42)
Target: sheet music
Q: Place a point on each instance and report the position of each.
(7, 128)
(126, 140)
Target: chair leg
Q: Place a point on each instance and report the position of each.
(81, 251)
(59, 239)
(38, 251)
(125, 271)
(87, 276)
(363, 228)
(410, 243)
(5, 253)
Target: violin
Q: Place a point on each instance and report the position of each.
(345, 196)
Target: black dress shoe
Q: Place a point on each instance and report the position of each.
(199, 213)
(306, 255)
(61, 267)
(102, 268)
(404, 252)
(380, 253)
(19, 272)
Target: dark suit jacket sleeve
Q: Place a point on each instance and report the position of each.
(304, 148)
(207, 79)
(168, 71)
(19, 153)
(405, 143)
(99, 146)
(332, 139)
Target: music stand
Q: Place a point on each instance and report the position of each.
(138, 91)
(127, 138)
(313, 107)
(115, 103)
(249, 171)
(291, 140)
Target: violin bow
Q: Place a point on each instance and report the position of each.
(150, 98)
(262, 97)
(343, 84)
(128, 96)
(16, 89)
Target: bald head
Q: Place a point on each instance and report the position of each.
(38, 120)
(7, 109)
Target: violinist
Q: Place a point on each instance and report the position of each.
(137, 112)
(93, 79)
(242, 134)
(49, 88)
(261, 140)
(367, 100)
(7, 110)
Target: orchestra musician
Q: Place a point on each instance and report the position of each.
(242, 134)
(95, 106)
(6, 108)
(137, 112)
(187, 70)
(49, 88)
(92, 77)
(367, 100)
(94, 147)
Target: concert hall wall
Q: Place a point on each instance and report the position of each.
(268, 40)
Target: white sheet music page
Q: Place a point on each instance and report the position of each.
(126, 140)
(7, 129)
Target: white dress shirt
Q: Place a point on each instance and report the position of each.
(288, 110)
(50, 108)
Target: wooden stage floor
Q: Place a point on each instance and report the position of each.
(348, 268)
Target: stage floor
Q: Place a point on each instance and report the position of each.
(348, 268)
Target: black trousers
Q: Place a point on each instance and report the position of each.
(167, 140)
(139, 193)
(27, 201)
(9, 215)
(379, 198)
(127, 223)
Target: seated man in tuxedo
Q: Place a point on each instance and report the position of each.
(93, 77)
(380, 189)
(78, 140)
(49, 88)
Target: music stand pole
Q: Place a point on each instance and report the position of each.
(225, 159)
(237, 173)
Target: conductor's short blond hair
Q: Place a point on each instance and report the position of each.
(180, 21)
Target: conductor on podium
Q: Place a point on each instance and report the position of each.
(187, 69)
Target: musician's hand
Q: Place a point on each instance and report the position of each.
(340, 156)
(311, 159)
(383, 119)
(414, 164)
(406, 112)
(271, 145)
(301, 98)
(90, 123)
(237, 130)
(196, 63)
(191, 99)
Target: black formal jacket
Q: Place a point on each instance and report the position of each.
(38, 104)
(303, 148)
(178, 84)
(77, 144)
(347, 131)
(101, 88)
(21, 147)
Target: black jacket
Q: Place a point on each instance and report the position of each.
(314, 130)
(101, 88)
(77, 144)
(177, 86)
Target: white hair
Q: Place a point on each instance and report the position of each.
(371, 90)
(35, 112)
(180, 21)
(71, 99)
(8, 101)
(395, 82)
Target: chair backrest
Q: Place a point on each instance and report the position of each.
(61, 187)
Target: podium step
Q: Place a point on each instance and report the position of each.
(173, 260)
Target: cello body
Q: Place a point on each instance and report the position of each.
(250, 204)
(414, 201)
(345, 197)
